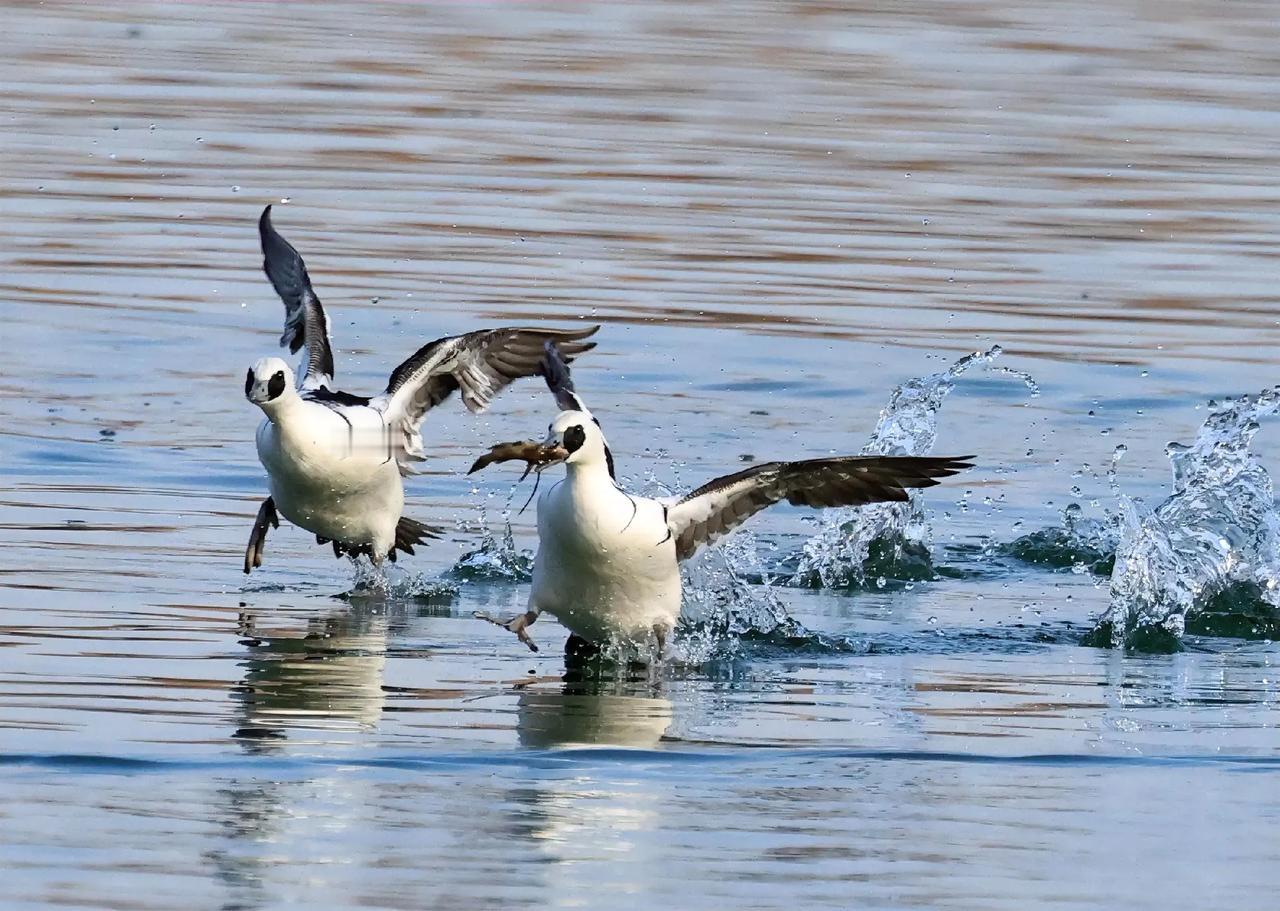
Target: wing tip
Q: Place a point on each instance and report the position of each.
(955, 464)
(270, 239)
(936, 469)
(571, 335)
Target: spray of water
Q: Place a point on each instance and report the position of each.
(386, 583)
(1082, 544)
(496, 559)
(890, 540)
(728, 593)
(1213, 546)
(731, 599)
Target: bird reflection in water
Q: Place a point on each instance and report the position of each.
(591, 708)
(321, 683)
(576, 812)
(326, 679)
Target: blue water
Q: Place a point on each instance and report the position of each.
(779, 212)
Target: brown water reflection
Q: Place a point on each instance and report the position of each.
(1062, 174)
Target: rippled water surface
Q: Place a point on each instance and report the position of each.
(779, 212)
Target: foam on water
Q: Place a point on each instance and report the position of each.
(890, 540)
(1217, 536)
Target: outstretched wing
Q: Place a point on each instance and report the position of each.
(725, 503)
(305, 325)
(479, 364)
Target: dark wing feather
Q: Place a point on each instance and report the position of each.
(305, 325)
(479, 364)
(336, 397)
(556, 372)
(720, 506)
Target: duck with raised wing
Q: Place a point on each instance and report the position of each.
(334, 460)
(607, 565)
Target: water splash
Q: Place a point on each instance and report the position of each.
(729, 595)
(385, 583)
(890, 540)
(497, 559)
(733, 611)
(908, 425)
(1082, 544)
(1213, 546)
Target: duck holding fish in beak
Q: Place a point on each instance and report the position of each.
(608, 562)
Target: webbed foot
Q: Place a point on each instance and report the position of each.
(518, 625)
(258, 537)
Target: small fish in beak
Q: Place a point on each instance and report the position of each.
(535, 455)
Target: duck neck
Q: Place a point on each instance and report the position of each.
(589, 476)
(280, 410)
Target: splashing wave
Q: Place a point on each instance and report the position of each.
(890, 540)
(1082, 544)
(1211, 550)
(497, 559)
(372, 582)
